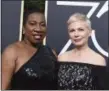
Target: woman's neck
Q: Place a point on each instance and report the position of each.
(34, 45)
(81, 50)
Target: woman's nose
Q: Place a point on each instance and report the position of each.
(76, 34)
(37, 28)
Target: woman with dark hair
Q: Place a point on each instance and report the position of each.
(28, 64)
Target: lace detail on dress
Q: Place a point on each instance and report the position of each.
(75, 76)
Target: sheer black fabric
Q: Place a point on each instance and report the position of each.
(81, 76)
(39, 73)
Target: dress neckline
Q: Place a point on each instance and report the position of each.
(29, 60)
(80, 63)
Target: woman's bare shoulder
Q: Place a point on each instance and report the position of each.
(11, 49)
(98, 58)
(64, 56)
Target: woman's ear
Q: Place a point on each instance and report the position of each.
(23, 30)
(91, 31)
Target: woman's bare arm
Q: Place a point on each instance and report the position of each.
(8, 66)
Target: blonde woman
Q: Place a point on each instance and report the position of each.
(80, 68)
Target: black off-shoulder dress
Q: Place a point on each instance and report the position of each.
(81, 76)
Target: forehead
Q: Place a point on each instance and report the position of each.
(79, 23)
(36, 17)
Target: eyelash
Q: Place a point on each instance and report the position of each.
(81, 29)
(78, 29)
(71, 31)
(42, 24)
(34, 24)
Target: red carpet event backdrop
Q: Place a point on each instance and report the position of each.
(57, 14)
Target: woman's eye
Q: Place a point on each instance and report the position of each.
(32, 23)
(80, 29)
(72, 30)
(42, 24)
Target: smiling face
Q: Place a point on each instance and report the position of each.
(34, 29)
(79, 32)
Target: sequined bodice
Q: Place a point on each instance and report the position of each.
(79, 76)
(38, 73)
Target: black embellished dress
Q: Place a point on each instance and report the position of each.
(39, 73)
(81, 76)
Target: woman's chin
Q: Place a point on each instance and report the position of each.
(78, 45)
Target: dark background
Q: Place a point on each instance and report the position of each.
(57, 35)
(57, 16)
(10, 16)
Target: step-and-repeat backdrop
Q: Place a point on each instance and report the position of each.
(57, 13)
(10, 16)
